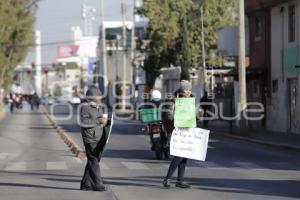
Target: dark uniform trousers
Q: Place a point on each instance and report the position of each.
(92, 175)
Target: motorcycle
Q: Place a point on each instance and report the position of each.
(158, 139)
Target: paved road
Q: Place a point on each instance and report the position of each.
(36, 163)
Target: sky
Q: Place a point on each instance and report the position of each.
(56, 17)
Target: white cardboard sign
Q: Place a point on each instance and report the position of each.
(189, 143)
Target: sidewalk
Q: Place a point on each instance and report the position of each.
(275, 139)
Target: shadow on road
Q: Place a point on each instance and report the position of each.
(283, 188)
(34, 186)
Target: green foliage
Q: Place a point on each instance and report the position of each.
(57, 91)
(17, 18)
(70, 65)
(175, 31)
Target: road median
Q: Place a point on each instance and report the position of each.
(75, 149)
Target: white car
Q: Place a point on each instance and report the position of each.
(75, 100)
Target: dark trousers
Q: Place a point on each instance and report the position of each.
(179, 163)
(92, 175)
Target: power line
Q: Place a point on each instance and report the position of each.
(45, 44)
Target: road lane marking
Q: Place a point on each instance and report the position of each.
(17, 166)
(134, 165)
(166, 166)
(78, 160)
(56, 166)
(208, 164)
(103, 166)
(3, 156)
(247, 165)
(7, 155)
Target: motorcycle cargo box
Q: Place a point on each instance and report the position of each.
(148, 115)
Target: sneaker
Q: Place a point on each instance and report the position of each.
(182, 184)
(166, 183)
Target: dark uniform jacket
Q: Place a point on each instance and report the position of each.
(91, 128)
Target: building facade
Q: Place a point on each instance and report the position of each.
(272, 79)
(284, 109)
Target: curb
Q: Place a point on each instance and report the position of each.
(276, 145)
(75, 149)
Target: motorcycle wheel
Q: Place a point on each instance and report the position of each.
(158, 150)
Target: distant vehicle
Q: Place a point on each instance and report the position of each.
(75, 100)
(64, 99)
(47, 101)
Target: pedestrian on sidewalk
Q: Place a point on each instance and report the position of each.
(92, 122)
(185, 90)
(12, 102)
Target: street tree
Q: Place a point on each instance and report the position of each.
(17, 18)
(174, 32)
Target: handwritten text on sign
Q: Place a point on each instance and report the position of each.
(189, 143)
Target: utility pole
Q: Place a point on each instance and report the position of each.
(203, 37)
(103, 68)
(38, 63)
(123, 107)
(133, 44)
(242, 66)
(203, 47)
(88, 15)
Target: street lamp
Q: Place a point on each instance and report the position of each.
(123, 107)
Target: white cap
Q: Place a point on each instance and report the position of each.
(155, 95)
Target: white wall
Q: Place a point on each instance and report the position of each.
(278, 111)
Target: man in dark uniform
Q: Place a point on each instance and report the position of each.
(92, 122)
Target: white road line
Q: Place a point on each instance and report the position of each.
(166, 166)
(247, 165)
(7, 155)
(103, 166)
(78, 160)
(56, 166)
(134, 165)
(210, 165)
(22, 166)
(3, 156)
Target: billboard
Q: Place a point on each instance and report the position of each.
(65, 51)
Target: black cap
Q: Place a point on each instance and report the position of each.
(92, 92)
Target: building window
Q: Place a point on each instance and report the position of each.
(256, 88)
(258, 27)
(292, 23)
(274, 86)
